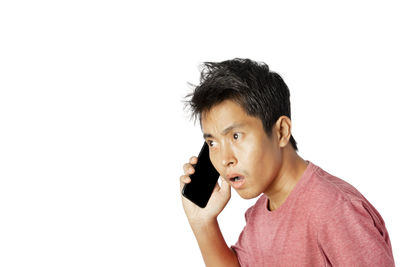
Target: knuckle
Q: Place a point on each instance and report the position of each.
(184, 179)
(188, 168)
(185, 166)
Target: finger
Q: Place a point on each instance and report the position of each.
(193, 160)
(216, 188)
(185, 179)
(225, 186)
(188, 168)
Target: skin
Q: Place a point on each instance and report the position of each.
(239, 145)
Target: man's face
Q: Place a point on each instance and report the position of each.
(239, 147)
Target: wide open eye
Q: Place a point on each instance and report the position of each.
(236, 136)
(211, 143)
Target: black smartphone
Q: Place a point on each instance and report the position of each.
(203, 180)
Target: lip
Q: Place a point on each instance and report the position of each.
(236, 184)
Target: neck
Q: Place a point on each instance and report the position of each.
(292, 169)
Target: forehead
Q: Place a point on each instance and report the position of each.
(227, 107)
(224, 115)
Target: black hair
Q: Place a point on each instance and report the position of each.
(260, 92)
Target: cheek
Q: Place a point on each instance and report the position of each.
(255, 150)
(258, 160)
(250, 158)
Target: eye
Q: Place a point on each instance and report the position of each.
(211, 143)
(236, 136)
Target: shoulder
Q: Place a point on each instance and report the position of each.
(327, 190)
(342, 217)
(336, 201)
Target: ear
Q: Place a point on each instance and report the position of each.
(284, 130)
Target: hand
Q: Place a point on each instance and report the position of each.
(218, 200)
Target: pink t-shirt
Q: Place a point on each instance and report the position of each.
(324, 222)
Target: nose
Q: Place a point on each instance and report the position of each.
(228, 157)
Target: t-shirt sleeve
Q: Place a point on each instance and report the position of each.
(243, 246)
(353, 234)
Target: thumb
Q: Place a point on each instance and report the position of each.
(225, 186)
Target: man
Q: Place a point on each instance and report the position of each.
(305, 216)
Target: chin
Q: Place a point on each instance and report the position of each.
(248, 195)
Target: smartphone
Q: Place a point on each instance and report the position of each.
(203, 180)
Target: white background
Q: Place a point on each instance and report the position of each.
(93, 134)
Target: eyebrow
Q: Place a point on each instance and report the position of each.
(225, 131)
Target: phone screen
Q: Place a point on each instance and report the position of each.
(203, 180)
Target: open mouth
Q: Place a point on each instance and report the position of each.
(237, 181)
